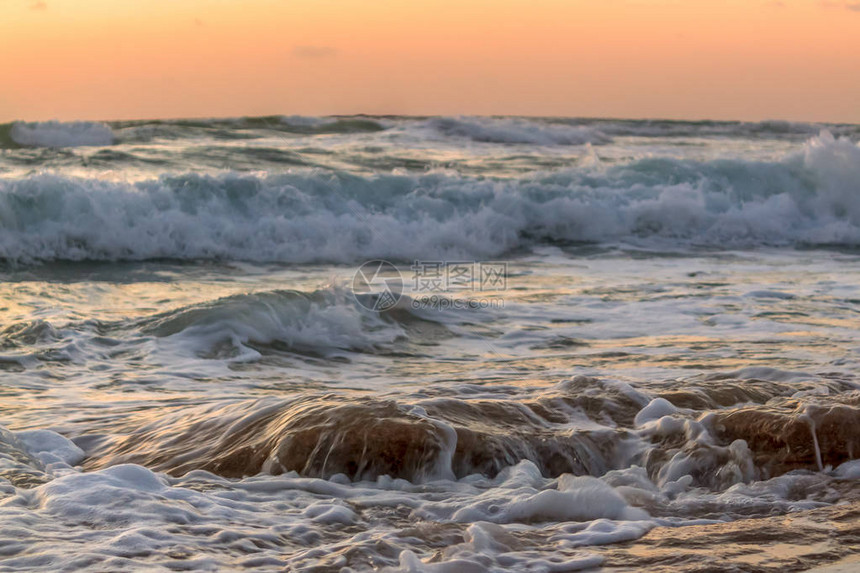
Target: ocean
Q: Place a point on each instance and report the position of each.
(383, 343)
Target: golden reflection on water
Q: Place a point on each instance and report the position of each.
(794, 542)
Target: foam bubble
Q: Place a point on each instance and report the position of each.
(849, 470)
(51, 447)
(656, 409)
(582, 498)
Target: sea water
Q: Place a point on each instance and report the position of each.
(428, 344)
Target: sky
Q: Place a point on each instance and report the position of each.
(676, 59)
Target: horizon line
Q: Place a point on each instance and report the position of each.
(428, 116)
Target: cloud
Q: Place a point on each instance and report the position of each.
(38, 6)
(315, 52)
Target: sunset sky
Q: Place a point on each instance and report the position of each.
(686, 59)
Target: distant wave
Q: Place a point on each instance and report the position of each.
(656, 128)
(242, 127)
(809, 198)
(562, 131)
(57, 134)
(515, 130)
(491, 130)
(60, 134)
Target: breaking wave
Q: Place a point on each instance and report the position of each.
(321, 323)
(809, 198)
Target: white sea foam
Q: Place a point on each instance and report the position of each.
(61, 134)
(50, 447)
(131, 518)
(656, 409)
(849, 470)
(582, 498)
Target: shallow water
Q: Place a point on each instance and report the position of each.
(639, 350)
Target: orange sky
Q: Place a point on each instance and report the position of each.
(717, 59)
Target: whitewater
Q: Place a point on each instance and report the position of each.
(612, 345)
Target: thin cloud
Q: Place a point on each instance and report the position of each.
(38, 6)
(315, 52)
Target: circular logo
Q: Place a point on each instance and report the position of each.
(377, 285)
